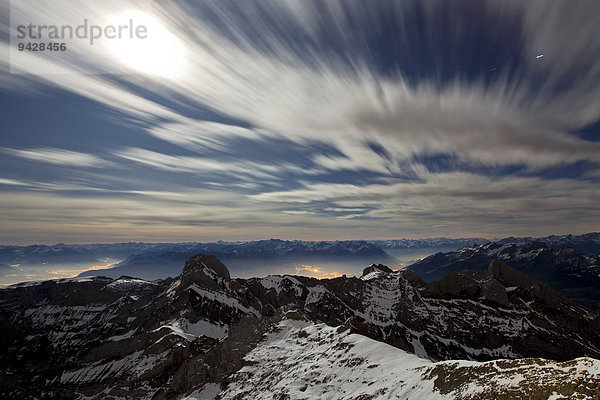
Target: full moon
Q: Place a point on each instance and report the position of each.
(157, 52)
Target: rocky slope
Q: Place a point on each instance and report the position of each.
(98, 337)
(570, 271)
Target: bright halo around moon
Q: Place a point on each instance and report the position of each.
(155, 51)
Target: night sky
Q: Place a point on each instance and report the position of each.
(307, 119)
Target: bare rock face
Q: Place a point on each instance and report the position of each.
(225, 358)
(511, 277)
(455, 285)
(469, 284)
(377, 268)
(206, 270)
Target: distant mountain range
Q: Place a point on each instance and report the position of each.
(433, 243)
(588, 243)
(72, 253)
(273, 248)
(166, 261)
(85, 253)
(570, 264)
(386, 334)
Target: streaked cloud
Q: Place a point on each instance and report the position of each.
(188, 164)
(57, 156)
(202, 134)
(4, 181)
(335, 118)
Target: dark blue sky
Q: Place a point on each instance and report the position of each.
(306, 119)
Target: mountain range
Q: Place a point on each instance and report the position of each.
(248, 257)
(569, 263)
(573, 271)
(387, 334)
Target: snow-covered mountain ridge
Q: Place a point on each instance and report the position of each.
(588, 243)
(98, 337)
(571, 272)
(303, 360)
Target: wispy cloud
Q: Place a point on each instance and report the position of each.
(449, 200)
(12, 182)
(361, 118)
(315, 98)
(203, 134)
(244, 168)
(57, 156)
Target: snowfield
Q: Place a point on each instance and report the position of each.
(303, 360)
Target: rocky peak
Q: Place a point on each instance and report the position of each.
(376, 268)
(511, 277)
(491, 285)
(468, 284)
(206, 270)
(411, 276)
(455, 285)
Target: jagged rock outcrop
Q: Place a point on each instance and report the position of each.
(511, 277)
(376, 268)
(204, 270)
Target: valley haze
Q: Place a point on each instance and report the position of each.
(246, 259)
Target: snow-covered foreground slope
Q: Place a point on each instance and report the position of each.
(304, 360)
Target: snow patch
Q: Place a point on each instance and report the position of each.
(122, 283)
(207, 392)
(191, 331)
